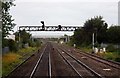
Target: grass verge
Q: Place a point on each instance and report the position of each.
(114, 56)
(12, 59)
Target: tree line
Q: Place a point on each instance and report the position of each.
(82, 36)
(98, 26)
(7, 21)
(8, 25)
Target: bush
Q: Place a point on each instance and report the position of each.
(12, 45)
(109, 58)
(117, 59)
(32, 44)
(110, 48)
(35, 43)
(4, 43)
(38, 42)
(13, 59)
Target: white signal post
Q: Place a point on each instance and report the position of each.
(93, 41)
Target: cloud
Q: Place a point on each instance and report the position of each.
(64, 13)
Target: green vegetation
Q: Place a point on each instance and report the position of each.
(12, 59)
(109, 55)
(7, 21)
(25, 41)
(11, 44)
(95, 25)
(19, 52)
(23, 36)
(19, 49)
(112, 53)
(113, 35)
(85, 49)
(102, 34)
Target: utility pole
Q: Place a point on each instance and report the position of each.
(93, 42)
(19, 38)
(19, 34)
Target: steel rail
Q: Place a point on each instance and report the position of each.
(50, 67)
(99, 59)
(19, 65)
(87, 67)
(70, 64)
(95, 73)
(36, 65)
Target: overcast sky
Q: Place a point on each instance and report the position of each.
(63, 12)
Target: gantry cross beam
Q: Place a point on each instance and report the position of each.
(49, 28)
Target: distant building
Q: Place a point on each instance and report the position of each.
(119, 13)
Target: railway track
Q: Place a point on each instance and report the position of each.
(60, 68)
(97, 58)
(24, 68)
(54, 61)
(43, 66)
(36, 65)
(37, 62)
(104, 67)
(80, 68)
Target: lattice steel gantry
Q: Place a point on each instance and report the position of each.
(49, 28)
